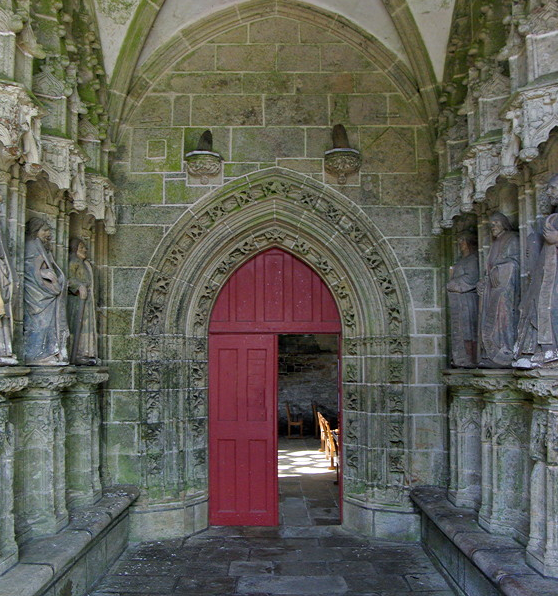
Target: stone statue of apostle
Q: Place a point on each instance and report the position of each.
(499, 296)
(45, 330)
(463, 303)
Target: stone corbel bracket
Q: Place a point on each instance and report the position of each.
(342, 162)
(203, 164)
(100, 200)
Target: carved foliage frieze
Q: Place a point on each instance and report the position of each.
(153, 383)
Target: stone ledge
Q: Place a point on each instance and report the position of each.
(45, 561)
(470, 555)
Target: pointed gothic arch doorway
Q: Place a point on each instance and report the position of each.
(273, 293)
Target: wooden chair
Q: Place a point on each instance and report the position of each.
(322, 422)
(292, 422)
(316, 420)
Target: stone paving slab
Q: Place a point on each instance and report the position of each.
(232, 562)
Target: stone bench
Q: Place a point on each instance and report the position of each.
(72, 560)
(476, 562)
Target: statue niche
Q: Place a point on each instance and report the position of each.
(81, 305)
(45, 329)
(499, 293)
(463, 303)
(537, 341)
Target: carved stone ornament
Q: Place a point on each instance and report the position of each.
(58, 154)
(532, 116)
(19, 129)
(481, 168)
(448, 203)
(100, 200)
(203, 164)
(342, 162)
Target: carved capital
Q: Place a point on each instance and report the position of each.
(12, 381)
(55, 380)
(495, 385)
(541, 386)
(91, 378)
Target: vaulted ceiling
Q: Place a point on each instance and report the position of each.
(135, 29)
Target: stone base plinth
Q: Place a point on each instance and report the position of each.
(378, 522)
(72, 560)
(475, 562)
(161, 521)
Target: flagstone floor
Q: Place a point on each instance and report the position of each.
(309, 554)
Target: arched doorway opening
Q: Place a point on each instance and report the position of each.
(274, 293)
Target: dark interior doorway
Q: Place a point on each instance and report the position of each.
(307, 375)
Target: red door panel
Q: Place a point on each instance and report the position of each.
(275, 293)
(242, 433)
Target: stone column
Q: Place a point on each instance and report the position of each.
(83, 420)
(39, 472)
(11, 381)
(506, 465)
(542, 548)
(465, 439)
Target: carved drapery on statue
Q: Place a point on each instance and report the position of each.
(537, 341)
(499, 294)
(45, 329)
(81, 305)
(7, 286)
(463, 303)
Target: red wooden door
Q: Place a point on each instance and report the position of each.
(272, 293)
(242, 432)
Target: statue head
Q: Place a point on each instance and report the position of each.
(552, 189)
(37, 227)
(499, 224)
(467, 242)
(78, 248)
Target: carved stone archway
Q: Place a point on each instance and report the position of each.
(274, 208)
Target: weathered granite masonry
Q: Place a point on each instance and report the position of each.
(270, 87)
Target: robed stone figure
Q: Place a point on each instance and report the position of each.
(7, 288)
(537, 341)
(81, 305)
(45, 329)
(463, 303)
(499, 296)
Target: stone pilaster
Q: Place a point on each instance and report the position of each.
(83, 420)
(11, 381)
(542, 548)
(506, 465)
(465, 439)
(39, 457)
